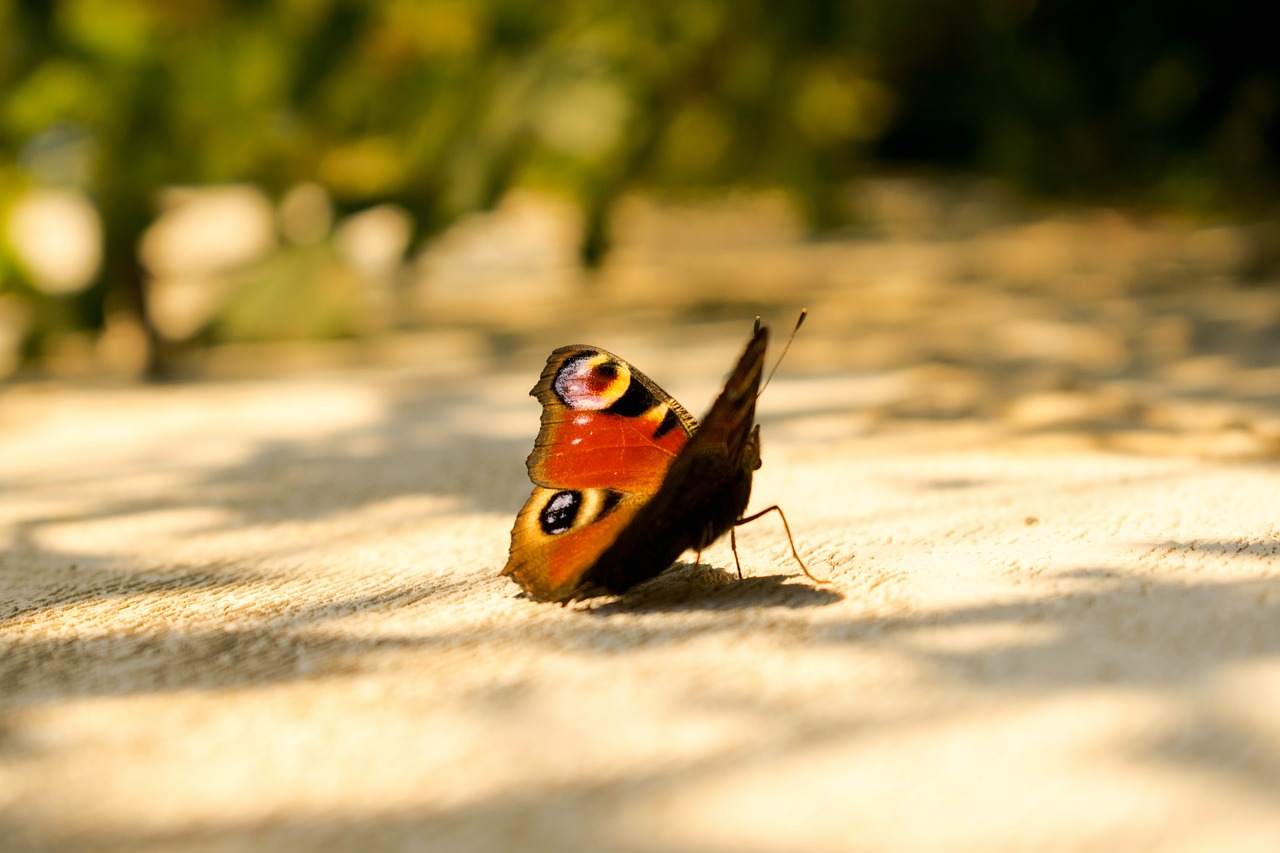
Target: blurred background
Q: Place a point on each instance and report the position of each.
(1056, 190)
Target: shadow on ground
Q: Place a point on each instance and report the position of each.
(689, 587)
(1143, 640)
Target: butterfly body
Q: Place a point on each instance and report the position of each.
(625, 480)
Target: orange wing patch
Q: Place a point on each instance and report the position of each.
(559, 534)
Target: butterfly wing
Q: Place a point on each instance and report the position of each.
(604, 424)
(705, 490)
(608, 437)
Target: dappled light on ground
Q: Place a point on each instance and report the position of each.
(265, 613)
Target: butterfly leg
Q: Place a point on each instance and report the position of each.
(733, 543)
(785, 526)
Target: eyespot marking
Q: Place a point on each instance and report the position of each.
(609, 503)
(560, 512)
(591, 381)
(633, 402)
(669, 422)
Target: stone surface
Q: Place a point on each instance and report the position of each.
(265, 615)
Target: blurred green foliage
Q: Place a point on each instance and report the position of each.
(441, 105)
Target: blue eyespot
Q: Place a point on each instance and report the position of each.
(558, 515)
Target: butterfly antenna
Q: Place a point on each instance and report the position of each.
(804, 312)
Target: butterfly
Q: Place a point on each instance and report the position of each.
(626, 480)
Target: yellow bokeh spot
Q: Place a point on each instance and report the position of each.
(833, 105)
(364, 168)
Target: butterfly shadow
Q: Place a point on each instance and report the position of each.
(697, 586)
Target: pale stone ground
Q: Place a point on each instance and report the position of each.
(262, 611)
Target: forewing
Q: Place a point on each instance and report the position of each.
(604, 425)
(730, 421)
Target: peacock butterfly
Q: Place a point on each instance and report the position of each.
(625, 480)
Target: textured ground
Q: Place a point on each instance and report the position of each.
(264, 613)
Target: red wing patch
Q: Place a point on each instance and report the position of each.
(585, 449)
